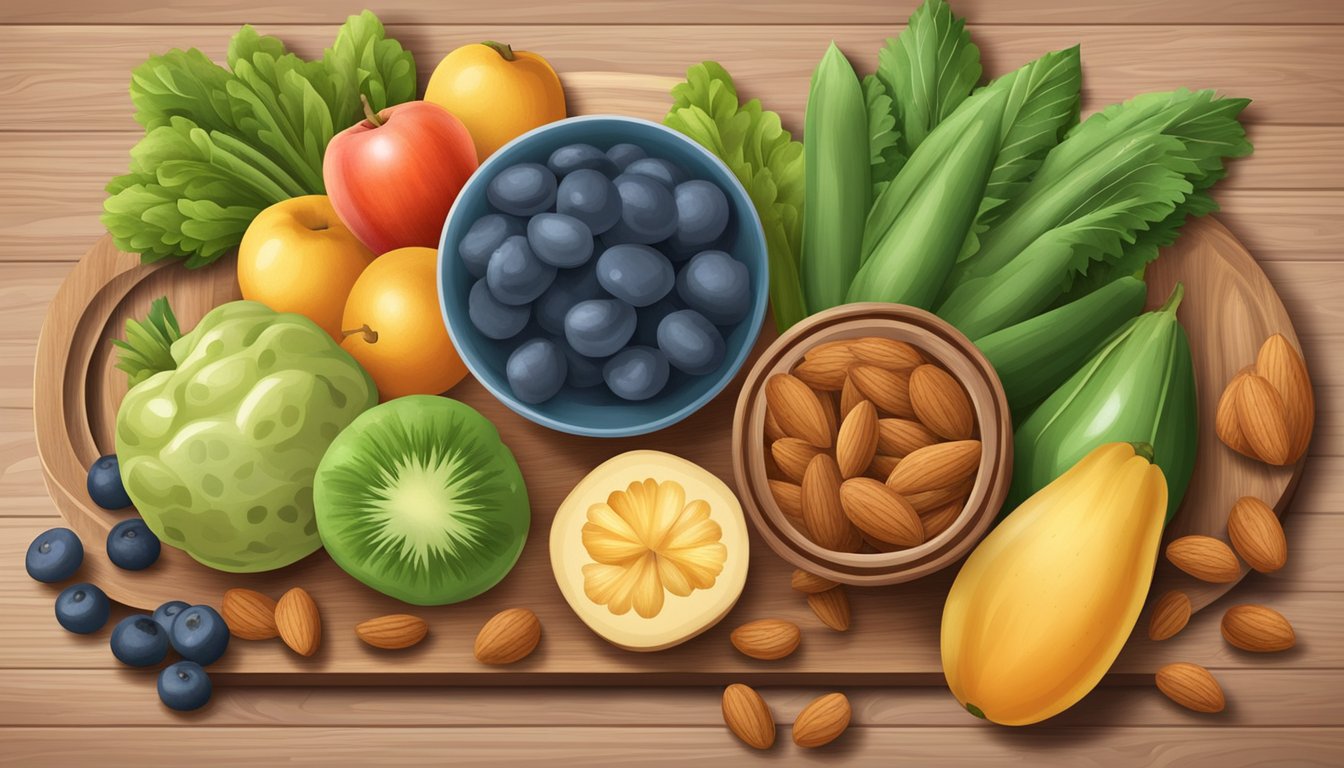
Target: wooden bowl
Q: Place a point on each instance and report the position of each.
(937, 340)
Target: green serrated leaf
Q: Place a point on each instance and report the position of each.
(928, 70)
(147, 348)
(884, 151)
(364, 60)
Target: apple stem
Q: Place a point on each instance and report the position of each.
(370, 335)
(369, 114)
(504, 50)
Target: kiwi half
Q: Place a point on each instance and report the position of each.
(419, 499)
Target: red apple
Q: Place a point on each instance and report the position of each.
(393, 176)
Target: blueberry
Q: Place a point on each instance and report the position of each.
(591, 198)
(536, 370)
(580, 372)
(569, 288)
(200, 635)
(105, 488)
(667, 173)
(492, 317)
(690, 342)
(139, 641)
(625, 154)
(599, 327)
(515, 275)
(636, 373)
(717, 286)
(165, 614)
(54, 555)
(132, 546)
(702, 214)
(636, 274)
(560, 240)
(184, 686)
(82, 608)
(575, 157)
(522, 190)
(646, 332)
(648, 210)
(485, 235)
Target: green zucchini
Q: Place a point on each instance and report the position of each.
(1035, 356)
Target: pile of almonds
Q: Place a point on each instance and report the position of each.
(1268, 409)
(872, 445)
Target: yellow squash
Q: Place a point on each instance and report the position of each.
(1044, 604)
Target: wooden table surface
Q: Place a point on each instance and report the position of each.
(64, 69)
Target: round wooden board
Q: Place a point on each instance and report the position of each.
(1230, 307)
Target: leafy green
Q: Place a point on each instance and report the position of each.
(928, 70)
(763, 156)
(147, 348)
(365, 60)
(884, 151)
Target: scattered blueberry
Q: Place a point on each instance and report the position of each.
(54, 555)
(560, 240)
(648, 210)
(165, 614)
(139, 641)
(569, 288)
(580, 372)
(536, 370)
(492, 317)
(636, 373)
(625, 154)
(105, 486)
(200, 634)
(599, 327)
(522, 190)
(702, 214)
(184, 686)
(485, 235)
(691, 343)
(717, 286)
(663, 171)
(515, 275)
(591, 198)
(132, 546)
(575, 157)
(636, 274)
(82, 608)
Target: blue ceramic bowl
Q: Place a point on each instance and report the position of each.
(596, 411)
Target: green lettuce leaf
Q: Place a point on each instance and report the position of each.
(365, 60)
(884, 149)
(928, 70)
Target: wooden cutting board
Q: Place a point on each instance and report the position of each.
(1229, 307)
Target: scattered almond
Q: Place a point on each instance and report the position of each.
(940, 403)
(888, 390)
(298, 622)
(1170, 614)
(792, 456)
(936, 466)
(394, 632)
(826, 369)
(788, 497)
(832, 607)
(1258, 629)
(1225, 420)
(799, 413)
(822, 721)
(849, 397)
(856, 443)
(822, 511)
(1205, 558)
(510, 635)
(748, 717)
(901, 437)
(1264, 421)
(886, 353)
(767, 639)
(1283, 367)
(249, 614)
(1257, 535)
(1191, 686)
(941, 519)
(880, 512)
(810, 583)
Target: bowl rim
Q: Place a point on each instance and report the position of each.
(756, 317)
(992, 480)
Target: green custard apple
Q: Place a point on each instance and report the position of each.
(419, 499)
(223, 428)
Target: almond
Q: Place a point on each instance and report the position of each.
(937, 466)
(856, 443)
(1170, 614)
(941, 519)
(748, 717)
(788, 497)
(510, 635)
(792, 456)
(773, 431)
(1263, 420)
(826, 369)
(882, 466)
(1257, 535)
(394, 632)
(249, 614)
(810, 583)
(298, 622)
(927, 502)
(1205, 558)
(832, 607)
(1191, 686)
(1283, 367)
(797, 409)
(767, 639)
(880, 512)
(886, 353)
(849, 397)
(830, 408)
(901, 437)
(822, 512)
(1258, 629)
(940, 403)
(832, 347)
(1225, 420)
(822, 721)
(888, 390)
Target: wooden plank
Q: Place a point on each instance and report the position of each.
(656, 746)
(48, 88)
